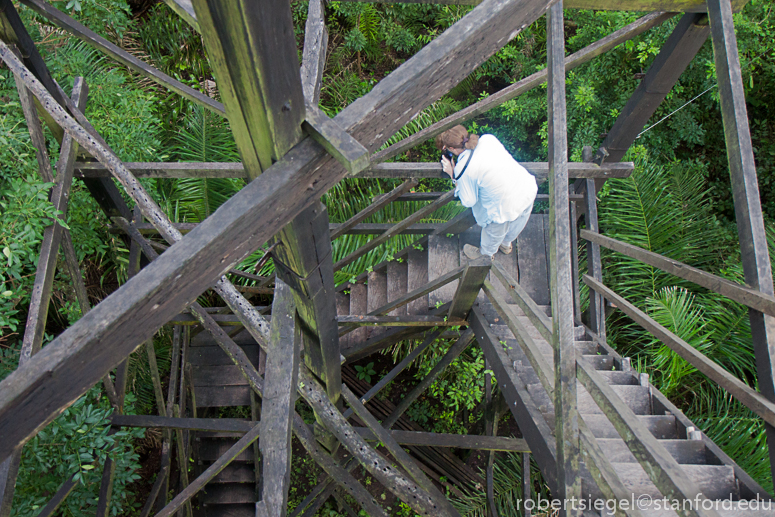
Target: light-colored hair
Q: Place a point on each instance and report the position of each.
(457, 138)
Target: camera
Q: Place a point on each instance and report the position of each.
(449, 156)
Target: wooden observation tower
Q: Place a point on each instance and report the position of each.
(596, 428)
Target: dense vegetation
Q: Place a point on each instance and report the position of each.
(677, 202)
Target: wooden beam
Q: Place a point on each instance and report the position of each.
(740, 293)
(560, 281)
(226, 425)
(442, 505)
(745, 190)
(374, 207)
(468, 288)
(383, 170)
(594, 265)
(313, 60)
(395, 230)
(90, 37)
(697, 6)
(40, 390)
(676, 54)
(538, 169)
(458, 441)
(253, 56)
(282, 369)
(390, 477)
(584, 55)
(413, 320)
(338, 142)
(531, 422)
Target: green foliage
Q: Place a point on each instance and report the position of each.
(507, 487)
(77, 443)
(365, 372)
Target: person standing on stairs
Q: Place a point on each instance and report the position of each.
(490, 181)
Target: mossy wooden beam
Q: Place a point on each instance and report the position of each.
(253, 55)
(339, 144)
(689, 6)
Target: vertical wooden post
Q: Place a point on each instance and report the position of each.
(282, 370)
(46, 267)
(745, 188)
(574, 261)
(526, 483)
(566, 414)
(314, 58)
(594, 265)
(469, 286)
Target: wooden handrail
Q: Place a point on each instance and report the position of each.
(752, 399)
(743, 294)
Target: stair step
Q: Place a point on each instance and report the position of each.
(342, 304)
(637, 398)
(211, 450)
(619, 377)
(600, 362)
(417, 276)
(358, 300)
(236, 473)
(230, 493)
(684, 451)
(714, 481)
(397, 277)
(231, 510)
(377, 297)
(214, 356)
(663, 427)
(443, 257)
(532, 259)
(221, 375)
(222, 396)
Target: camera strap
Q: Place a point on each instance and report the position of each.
(470, 157)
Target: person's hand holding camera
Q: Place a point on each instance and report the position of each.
(447, 164)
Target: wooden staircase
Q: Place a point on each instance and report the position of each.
(219, 384)
(717, 476)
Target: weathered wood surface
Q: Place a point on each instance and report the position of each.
(337, 230)
(740, 293)
(192, 424)
(532, 424)
(594, 264)
(468, 287)
(519, 296)
(282, 368)
(459, 441)
(185, 496)
(538, 169)
(38, 392)
(676, 54)
(376, 205)
(532, 259)
(754, 400)
(390, 477)
(604, 5)
(443, 258)
(745, 190)
(166, 170)
(395, 230)
(85, 34)
(339, 144)
(401, 321)
(397, 275)
(582, 56)
(313, 60)
(261, 91)
(662, 468)
(399, 454)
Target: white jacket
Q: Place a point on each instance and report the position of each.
(494, 185)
